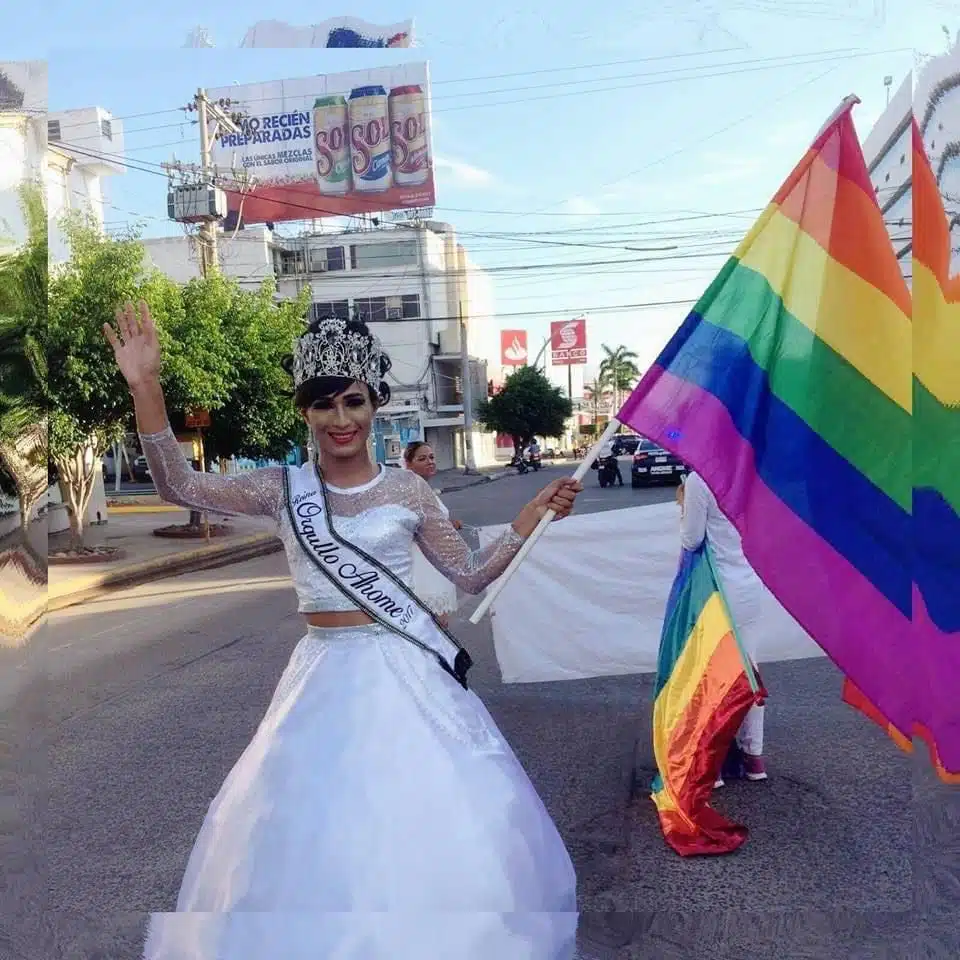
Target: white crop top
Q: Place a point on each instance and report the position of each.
(383, 517)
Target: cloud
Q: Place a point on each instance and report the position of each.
(463, 174)
(581, 206)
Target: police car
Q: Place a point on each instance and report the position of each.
(652, 464)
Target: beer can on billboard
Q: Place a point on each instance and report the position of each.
(568, 342)
(370, 139)
(513, 348)
(408, 135)
(331, 145)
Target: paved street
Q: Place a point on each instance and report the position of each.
(122, 717)
(499, 502)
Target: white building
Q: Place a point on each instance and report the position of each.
(68, 154)
(23, 110)
(84, 148)
(411, 283)
(935, 102)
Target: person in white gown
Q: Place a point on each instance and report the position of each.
(429, 584)
(378, 811)
(702, 519)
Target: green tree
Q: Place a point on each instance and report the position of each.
(23, 364)
(527, 406)
(619, 371)
(90, 403)
(258, 418)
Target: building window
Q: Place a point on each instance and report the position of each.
(324, 259)
(335, 259)
(383, 256)
(330, 308)
(410, 306)
(372, 309)
(293, 262)
(106, 128)
(53, 129)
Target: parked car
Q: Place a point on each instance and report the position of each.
(653, 464)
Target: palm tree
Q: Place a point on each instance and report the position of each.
(619, 371)
(23, 363)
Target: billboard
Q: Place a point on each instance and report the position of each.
(332, 145)
(568, 342)
(513, 348)
(336, 32)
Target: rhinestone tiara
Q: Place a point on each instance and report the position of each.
(333, 351)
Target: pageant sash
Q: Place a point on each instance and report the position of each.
(372, 587)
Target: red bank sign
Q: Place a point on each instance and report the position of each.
(568, 342)
(513, 348)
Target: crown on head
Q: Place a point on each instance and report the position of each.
(331, 350)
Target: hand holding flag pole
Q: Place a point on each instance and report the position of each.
(495, 589)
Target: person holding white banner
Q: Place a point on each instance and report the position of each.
(702, 519)
(378, 798)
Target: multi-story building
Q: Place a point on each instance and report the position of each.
(83, 148)
(414, 284)
(935, 102)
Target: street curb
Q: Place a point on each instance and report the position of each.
(188, 561)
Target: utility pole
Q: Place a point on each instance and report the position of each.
(209, 259)
(467, 387)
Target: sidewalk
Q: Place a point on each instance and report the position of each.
(148, 557)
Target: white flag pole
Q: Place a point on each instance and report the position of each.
(494, 591)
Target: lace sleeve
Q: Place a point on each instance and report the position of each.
(257, 493)
(471, 570)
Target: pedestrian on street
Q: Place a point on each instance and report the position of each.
(434, 589)
(378, 811)
(702, 519)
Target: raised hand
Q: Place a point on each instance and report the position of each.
(135, 345)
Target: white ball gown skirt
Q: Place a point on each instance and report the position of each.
(378, 812)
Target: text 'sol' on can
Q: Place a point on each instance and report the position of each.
(370, 139)
(331, 145)
(408, 136)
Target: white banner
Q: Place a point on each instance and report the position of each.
(589, 600)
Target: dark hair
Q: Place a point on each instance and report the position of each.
(324, 388)
(412, 449)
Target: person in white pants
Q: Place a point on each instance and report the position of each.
(702, 519)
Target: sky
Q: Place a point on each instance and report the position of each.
(647, 137)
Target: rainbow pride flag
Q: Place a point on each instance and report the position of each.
(789, 389)
(705, 686)
(936, 475)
